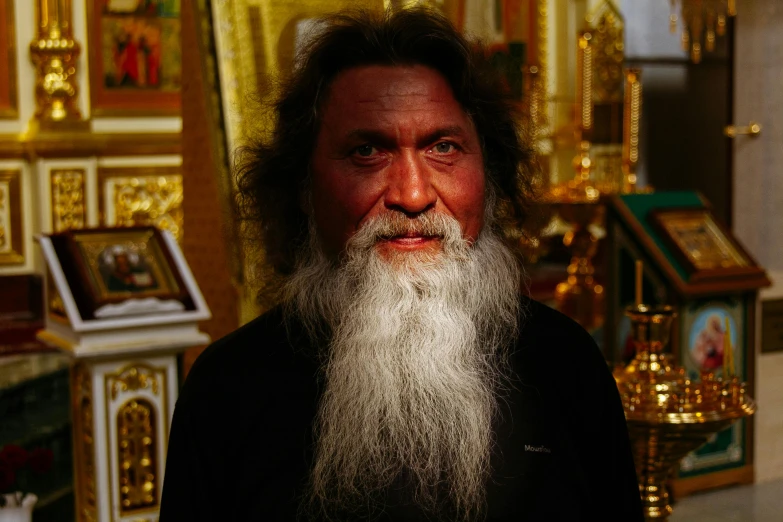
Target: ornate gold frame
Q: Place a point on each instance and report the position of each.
(8, 107)
(716, 255)
(15, 254)
(132, 378)
(90, 246)
(126, 104)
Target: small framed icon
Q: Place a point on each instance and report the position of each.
(704, 247)
(111, 265)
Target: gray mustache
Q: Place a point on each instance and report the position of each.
(394, 224)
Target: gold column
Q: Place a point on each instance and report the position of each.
(54, 53)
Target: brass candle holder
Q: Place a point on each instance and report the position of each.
(579, 296)
(579, 202)
(668, 414)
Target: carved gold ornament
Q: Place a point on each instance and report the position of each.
(134, 378)
(54, 53)
(137, 455)
(68, 205)
(139, 422)
(84, 443)
(142, 196)
(154, 200)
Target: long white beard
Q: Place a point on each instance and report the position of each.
(414, 363)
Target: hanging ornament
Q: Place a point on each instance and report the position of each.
(702, 22)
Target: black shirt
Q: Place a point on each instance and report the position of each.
(241, 440)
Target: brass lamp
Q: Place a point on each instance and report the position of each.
(668, 414)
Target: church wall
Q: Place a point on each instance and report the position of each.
(758, 196)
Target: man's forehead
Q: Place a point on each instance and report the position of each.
(377, 83)
(362, 94)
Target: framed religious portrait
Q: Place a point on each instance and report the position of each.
(8, 107)
(113, 265)
(704, 247)
(135, 57)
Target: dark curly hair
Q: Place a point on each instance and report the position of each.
(273, 173)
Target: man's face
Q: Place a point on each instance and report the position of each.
(394, 139)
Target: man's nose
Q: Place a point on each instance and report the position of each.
(410, 187)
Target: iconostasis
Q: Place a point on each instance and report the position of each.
(90, 125)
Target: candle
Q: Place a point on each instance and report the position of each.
(638, 283)
(728, 351)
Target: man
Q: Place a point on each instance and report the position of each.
(404, 378)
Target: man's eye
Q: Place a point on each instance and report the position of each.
(444, 147)
(365, 150)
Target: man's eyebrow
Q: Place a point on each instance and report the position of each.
(371, 136)
(384, 138)
(454, 131)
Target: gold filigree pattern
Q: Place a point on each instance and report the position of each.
(154, 199)
(134, 378)
(137, 455)
(609, 53)
(68, 208)
(84, 444)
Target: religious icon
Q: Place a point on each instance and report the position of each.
(135, 55)
(704, 247)
(125, 263)
(124, 270)
(108, 269)
(110, 266)
(706, 339)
